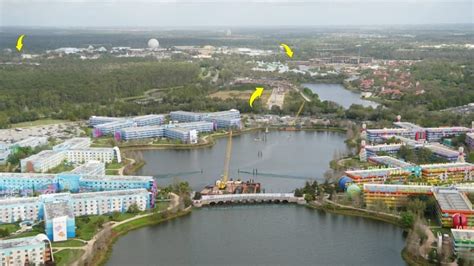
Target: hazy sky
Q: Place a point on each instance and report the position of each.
(168, 13)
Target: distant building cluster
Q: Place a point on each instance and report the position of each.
(75, 150)
(183, 126)
(32, 142)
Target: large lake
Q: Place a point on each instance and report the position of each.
(258, 234)
(338, 94)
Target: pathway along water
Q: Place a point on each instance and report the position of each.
(258, 234)
(338, 94)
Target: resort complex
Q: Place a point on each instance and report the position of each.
(183, 126)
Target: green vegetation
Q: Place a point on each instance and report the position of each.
(7, 229)
(39, 122)
(418, 156)
(87, 226)
(63, 167)
(68, 243)
(23, 152)
(67, 256)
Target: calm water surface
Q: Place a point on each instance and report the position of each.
(258, 234)
(262, 235)
(338, 94)
(289, 159)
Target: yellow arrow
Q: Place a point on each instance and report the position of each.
(288, 50)
(19, 42)
(256, 94)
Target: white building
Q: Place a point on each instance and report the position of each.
(105, 155)
(74, 143)
(15, 209)
(42, 161)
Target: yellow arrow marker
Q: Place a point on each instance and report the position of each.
(288, 50)
(19, 42)
(256, 94)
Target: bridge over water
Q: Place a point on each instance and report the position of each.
(277, 198)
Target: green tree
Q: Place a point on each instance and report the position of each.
(133, 208)
(407, 219)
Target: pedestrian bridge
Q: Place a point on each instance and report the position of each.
(276, 198)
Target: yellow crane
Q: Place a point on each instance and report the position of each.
(292, 128)
(221, 184)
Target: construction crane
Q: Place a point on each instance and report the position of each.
(221, 184)
(296, 117)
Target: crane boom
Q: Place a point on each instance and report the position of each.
(228, 152)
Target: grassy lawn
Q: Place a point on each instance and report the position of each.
(68, 243)
(111, 172)
(67, 256)
(114, 165)
(87, 226)
(41, 122)
(29, 233)
(10, 227)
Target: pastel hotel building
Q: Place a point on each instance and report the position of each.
(179, 131)
(33, 250)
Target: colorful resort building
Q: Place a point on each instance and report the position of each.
(394, 196)
(463, 242)
(33, 250)
(59, 210)
(447, 173)
(470, 140)
(181, 131)
(412, 131)
(12, 184)
(454, 208)
(378, 175)
(182, 125)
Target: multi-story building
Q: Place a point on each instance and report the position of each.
(443, 152)
(166, 131)
(149, 120)
(74, 143)
(223, 119)
(42, 161)
(33, 250)
(380, 175)
(90, 168)
(112, 127)
(132, 133)
(59, 210)
(15, 209)
(27, 183)
(470, 140)
(105, 155)
(447, 172)
(97, 120)
(373, 150)
(183, 134)
(59, 221)
(435, 134)
(183, 116)
(389, 161)
(394, 196)
(378, 135)
(463, 242)
(451, 202)
(32, 142)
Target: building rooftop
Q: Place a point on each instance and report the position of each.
(60, 208)
(467, 166)
(387, 130)
(89, 167)
(116, 178)
(22, 242)
(27, 175)
(72, 143)
(441, 129)
(451, 200)
(115, 123)
(408, 125)
(141, 129)
(463, 234)
(389, 188)
(389, 161)
(21, 200)
(375, 172)
(109, 193)
(42, 155)
(144, 117)
(442, 150)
